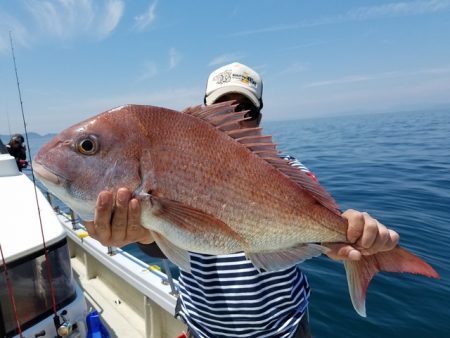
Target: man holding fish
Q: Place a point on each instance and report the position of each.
(226, 295)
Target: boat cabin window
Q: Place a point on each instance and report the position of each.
(31, 292)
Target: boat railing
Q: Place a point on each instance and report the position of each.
(167, 278)
(135, 298)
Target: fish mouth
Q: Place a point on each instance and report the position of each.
(46, 175)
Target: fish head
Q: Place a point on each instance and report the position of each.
(92, 156)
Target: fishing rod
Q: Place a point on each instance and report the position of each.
(9, 124)
(11, 293)
(47, 260)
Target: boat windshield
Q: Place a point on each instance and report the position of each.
(28, 279)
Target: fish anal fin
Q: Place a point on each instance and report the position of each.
(360, 273)
(176, 255)
(278, 260)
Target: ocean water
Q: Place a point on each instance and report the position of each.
(396, 167)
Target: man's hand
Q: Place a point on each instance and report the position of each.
(118, 224)
(367, 235)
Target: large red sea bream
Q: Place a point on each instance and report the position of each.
(207, 186)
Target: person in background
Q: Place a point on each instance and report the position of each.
(17, 149)
(3, 149)
(225, 295)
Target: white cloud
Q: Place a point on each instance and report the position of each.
(395, 9)
(306, 45)
(45, 117)
(382, 92)
(113, 13)
(61, 19)
(150, 71)
(19, 32)
(68, 18)
(294, 68)
(268, 29)
(435, 71)
(142, 21)
(350, 79)
(385, 75)
(225, 58)
(174, 58)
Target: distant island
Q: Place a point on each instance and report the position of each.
(31, 135)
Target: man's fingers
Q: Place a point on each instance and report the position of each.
(341, 251)
(90, 228)
(355, 224)
(118, 223)
(381, 239)
(135, 231)
(120, 217)
(386, 240)
(102, 218)
(367, 235)
(370, 233)
(395, 238)
(134, 220)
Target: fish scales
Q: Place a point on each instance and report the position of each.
(206, 185)
(210, 163)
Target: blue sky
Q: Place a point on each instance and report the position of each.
(317, 58)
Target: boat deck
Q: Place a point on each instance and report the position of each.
(133, 299)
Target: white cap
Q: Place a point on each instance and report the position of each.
(234, 78)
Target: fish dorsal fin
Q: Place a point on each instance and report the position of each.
(302, 179)
(224, 117)
(221, 115)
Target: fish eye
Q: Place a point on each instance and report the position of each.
(88, 146)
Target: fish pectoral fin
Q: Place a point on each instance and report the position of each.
(195, 221)
(278, 260)
(175, 254)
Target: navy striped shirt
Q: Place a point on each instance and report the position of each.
(226, 296)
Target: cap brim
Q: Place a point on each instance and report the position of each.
(211, 98)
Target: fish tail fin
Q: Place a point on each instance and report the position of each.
(360, 273)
